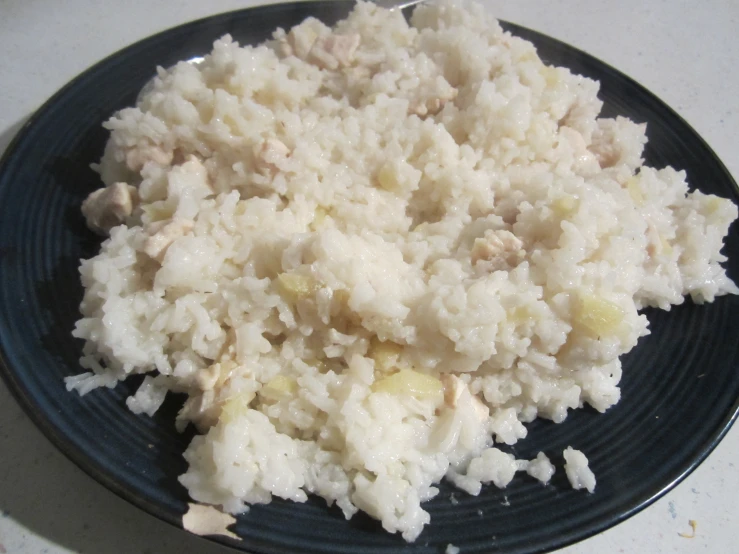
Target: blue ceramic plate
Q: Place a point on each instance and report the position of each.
(680, 385)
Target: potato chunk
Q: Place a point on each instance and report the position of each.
(597, 315)
(407, 381)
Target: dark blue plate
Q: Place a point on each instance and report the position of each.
(680, 385)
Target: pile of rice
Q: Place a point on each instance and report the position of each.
(370, 253)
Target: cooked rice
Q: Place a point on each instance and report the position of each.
(370, 253)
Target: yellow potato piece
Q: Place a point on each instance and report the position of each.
(295, 286)
(407, 381)
(550, 74)
(319, 217)
(597, 315)
(279, 387)
(387, 177)
(320, 365)
(385, 354)
(236, 406)
(632, 186)
(158, 211)
(520, 314)
(564, 206)
(712, 203)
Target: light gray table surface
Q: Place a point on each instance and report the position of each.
(684, 51)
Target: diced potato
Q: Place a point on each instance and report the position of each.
(528, 56)
(385, 354)
(713, 203)
(320, 365)
(520, 314)
(241, 207)
(279, 387)
(632, 186)
(407, 381)
(319, 216)
(564, 206)
(236, 406)
(295, 286)
(342, 296)
(550, 74)
(158, 211)
(387, 177)
(597, 315)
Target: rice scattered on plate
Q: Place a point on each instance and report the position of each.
(369, 254)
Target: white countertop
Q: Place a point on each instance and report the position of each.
(685, 52)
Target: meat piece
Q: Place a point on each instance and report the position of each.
(270, 153)
(138, 156)
(284, 48)
(164, 233)
(456, 393)
(433, 105)
(109, 207)
(214, 374)
(342, 47)
(657, 244)
(334, 51)
(453, 389)
(300, 40)
(202, 409)
(584, 161)
(618, 141)
(207, 520)
(497, 250)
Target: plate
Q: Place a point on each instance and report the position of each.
(680, 386)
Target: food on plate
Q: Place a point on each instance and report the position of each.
(370, 254)
(207, 520)
(578, 473)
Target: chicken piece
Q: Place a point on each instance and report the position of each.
(453, 389)
(334, 51)
(584, 161)
(138, 156)
(215, 374)
(284, 48)
(497, 250)
(342, 47)
(201, 409)
(456, 392)
(432, 106)
(206, 520)
(657, 244)
(299, 40)
(164, 233)
(109, 207)
(270, 153)
(615, 142)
